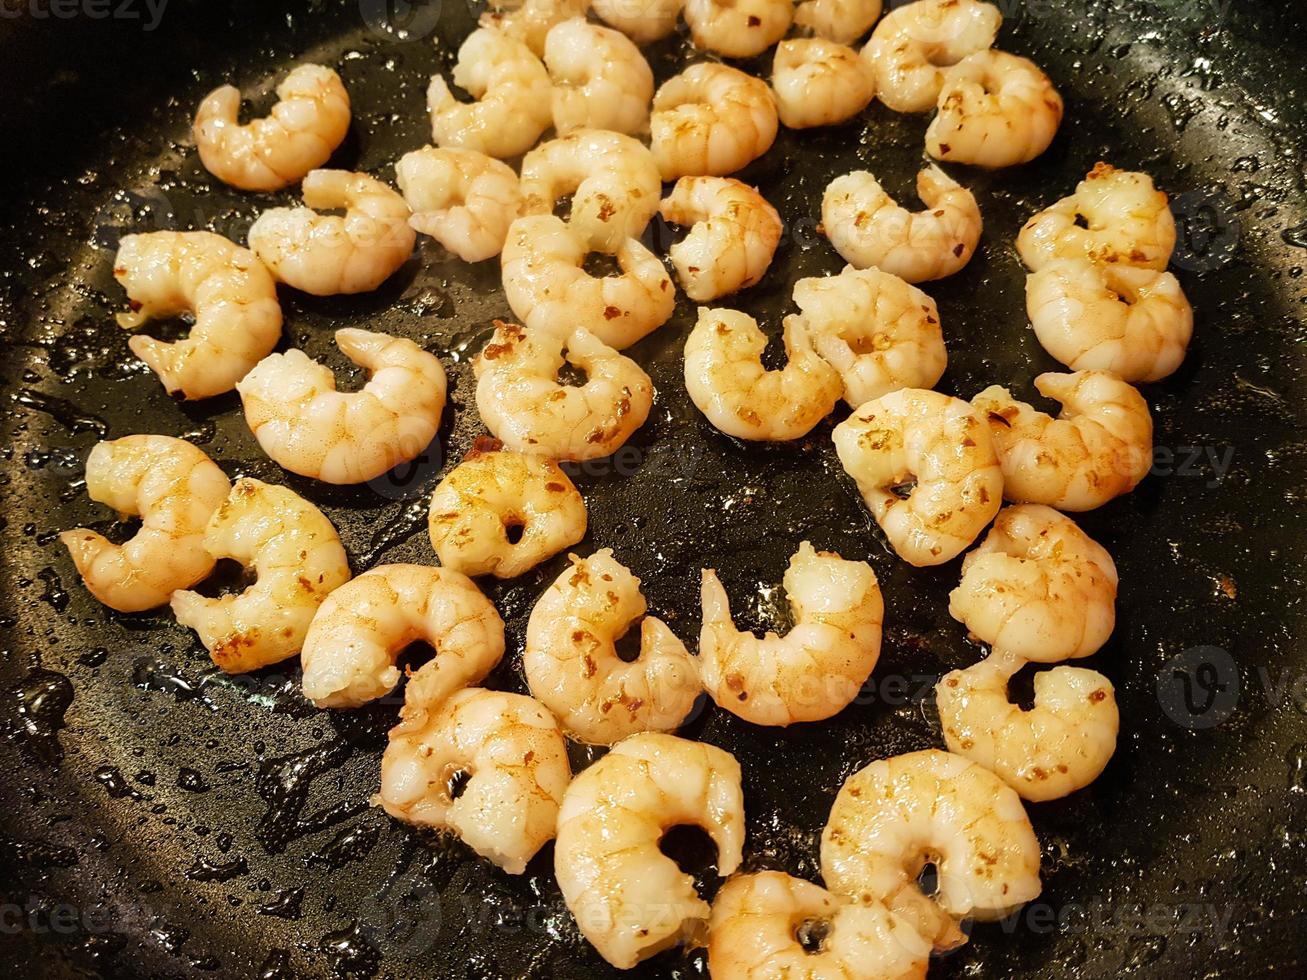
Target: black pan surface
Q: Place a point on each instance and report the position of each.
(162, 819)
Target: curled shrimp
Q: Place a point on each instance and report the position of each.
(493, 492)
(878, 332)
(841, 21)
(643, 21)
(462, 198)
(512, 93)
(174, 488)
(734, 235)
(571, 659)
(306, 125)
(1099, 447)
(360, 630)
(868, 228)
(629, 899)
(940, 448)
(298, 559)
(522, 402)
(819, 82)
(711, 120)
(305, 425)
(726, 379)
(548, 288)
(1055, 748)
(738, 28)
(513, 756)
(1135, 323)
(816, 669)
(530, 21)
(995, 110)
(230, 293)
(1126, 221)
(759, 919)
(328, 254)
(897, 815)
(600, 78)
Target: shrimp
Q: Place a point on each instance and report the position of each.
(758, 921)
(227, 289)
(360, 630)
(629, 899)
(306, 125)
(305, 425)
(738, 28)
(548, 288)
(530, 21)
(1135, 323)
(995, 110)
(600, 78)
(522, 402)
(494, 492)
(513, 756)
(733, 237)
(1055, 748)
(1126, 222)
(174, 488)
(513, 97)
(819, 82)
(911, 48)
(938, 447)
(462, 198)
(644, 21)
(711, 120)
(298, 559)
(816, 669)
(897, 815)
(841, 21)
(868, 228)
(727, 382)
(1099, 447)
(328, 254)
(878, 332)
(571, 659)
(612, 178)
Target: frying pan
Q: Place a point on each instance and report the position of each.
(162, 819)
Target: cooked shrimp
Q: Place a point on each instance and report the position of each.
(548, 288)
(897, 815)
(462, 198)
(644, 21)
(1099, 447)
(227, 289)
(878, 332)
(841, 21)
(298, 560)
(738, 28)
(727, 382)
(995, 110)
(306, 125)
(360, 630)
(816, 669)
(493, 492)
(711, 120)
(819, 82)
(1055, 748)
(515, 760)
(512, 93)
(530, 21)
(305, 425)
(571, 659)
(758, 919)
(938, 447)
(612, 178)
(522, 402)
(328, 254)
(868, 228)
(174, 489)
(601, 80)
(733, 238)
(912, 46)
(1126, 221)
(631, 900)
